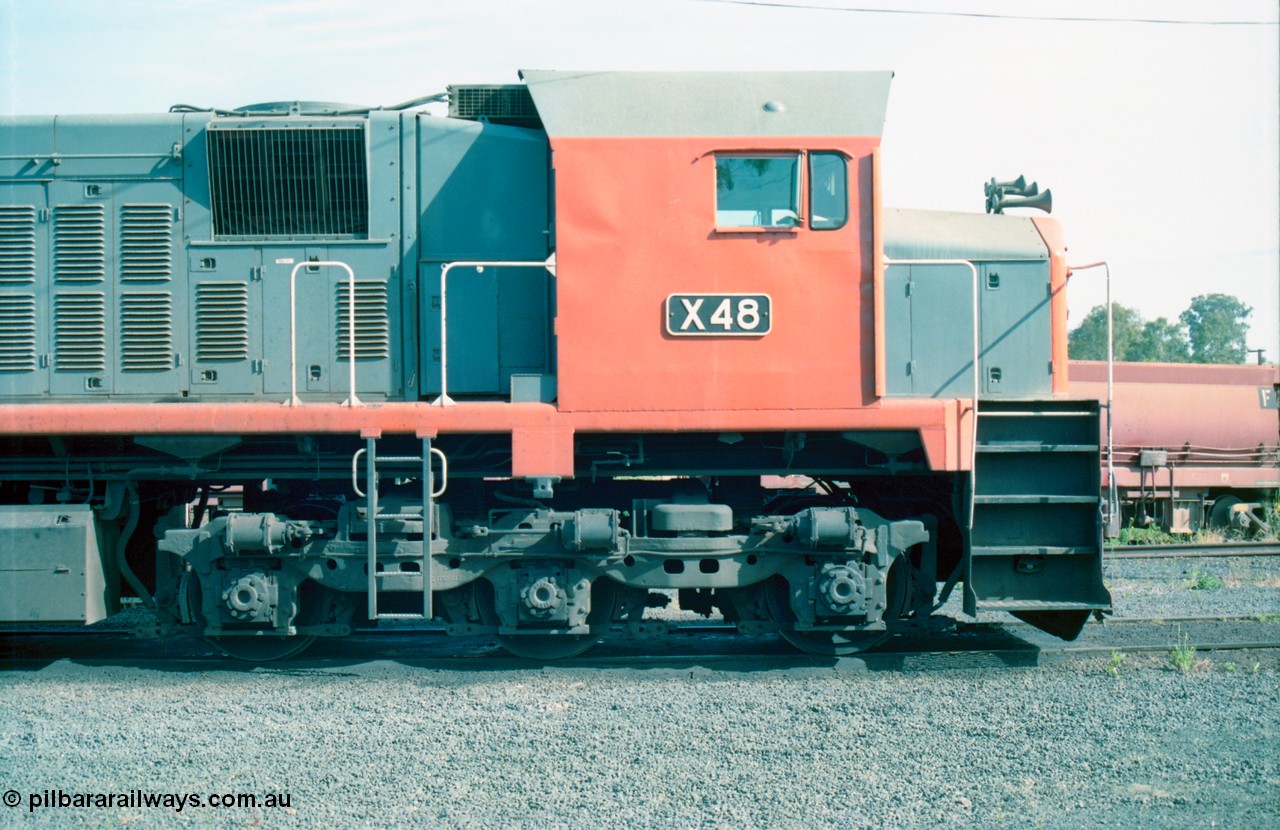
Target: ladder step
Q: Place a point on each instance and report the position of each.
(1033, 550)
(1028, 413)
(1033, 446)
(396, 581)
(1027, 499)
(1038, 605)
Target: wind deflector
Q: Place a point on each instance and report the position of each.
(296, 182)
(652, 104)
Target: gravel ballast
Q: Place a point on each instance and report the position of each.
(1083, 742)
(382, 744)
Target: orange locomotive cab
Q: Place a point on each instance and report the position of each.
(702, 196)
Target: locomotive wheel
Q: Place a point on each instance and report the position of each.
(604, 594)
(777, 598)
(261, 649)
(267, 647)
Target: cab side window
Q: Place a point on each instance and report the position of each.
(758, 191)
(828, 191)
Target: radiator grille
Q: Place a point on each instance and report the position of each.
(274, 182)
(373, 330)
(17, 332)
(222, 321)
(499, 103)
(80, 332)
(146, 331)
(79, 243)
(17, 244)
(146, 242)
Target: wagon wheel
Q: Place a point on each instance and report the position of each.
(604, 594)
(1220, 515)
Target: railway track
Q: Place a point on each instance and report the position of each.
(1192, 551)
(703, 646)
(687, 642)
(676, 628)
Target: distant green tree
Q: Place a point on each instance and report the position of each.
(1160, 342)
(1216, 328)
(1089, 340)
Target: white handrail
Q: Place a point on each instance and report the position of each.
(293, 334)
(435, 494)
(444, 473)
(549, 263)
(1113, 497)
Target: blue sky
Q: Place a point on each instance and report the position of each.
(1161, 141)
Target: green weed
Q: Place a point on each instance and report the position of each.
(1143, 536)
(1183, 654)
(1271, 518)
(1198, 581)
(1113, 667)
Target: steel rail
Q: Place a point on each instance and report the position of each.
(435, 631)
(1244, 645)
(761, 656)
(1192, 551)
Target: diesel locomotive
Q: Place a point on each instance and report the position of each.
(529, 368)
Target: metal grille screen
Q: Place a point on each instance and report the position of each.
(503, 104)
(310, 182)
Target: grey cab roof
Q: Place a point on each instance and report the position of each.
(936, 234)
(669, 104)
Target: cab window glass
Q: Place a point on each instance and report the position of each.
(757, 191)
(828, 191)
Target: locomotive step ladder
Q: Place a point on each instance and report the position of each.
(374, 514)
(1036, 541)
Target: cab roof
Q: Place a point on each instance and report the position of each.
(674, 104)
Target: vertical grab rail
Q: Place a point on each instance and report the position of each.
(549, 263)
(293, 329)
(371, 522)
(1113, 496)
(428, 525)
(977, 375)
